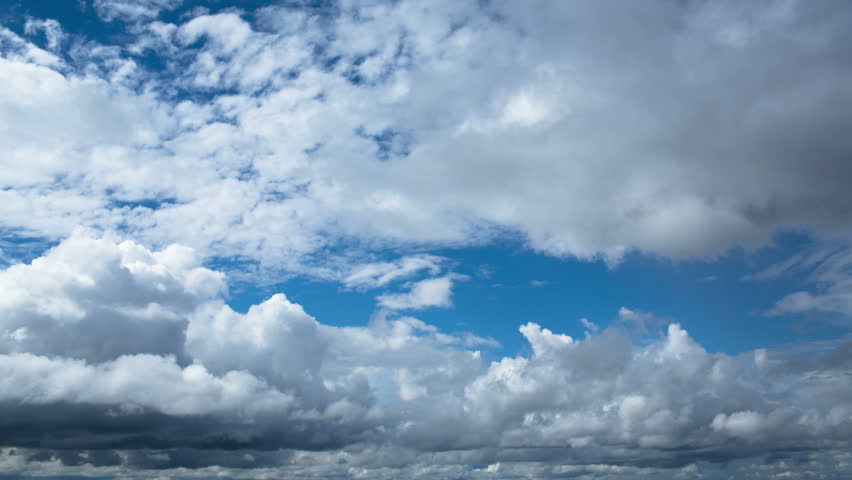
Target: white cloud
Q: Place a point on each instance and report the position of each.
(226, 30)
(432, 292)
(301, 107)
(133, 10)
(276, 339)
(52, 31)
(135, 383)
(591, 327)
(827, 268)
(93, 299)
(741, 424)
(380, 274)
(628, 314)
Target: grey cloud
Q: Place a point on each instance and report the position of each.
(275, 378)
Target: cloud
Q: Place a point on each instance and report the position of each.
(52, 31)
(308, 128)
(298, 139)
(133, 10)
(827, 268)
(93, 299)
(274, 377)
(432, 292)
(590, 326)
(380, 274)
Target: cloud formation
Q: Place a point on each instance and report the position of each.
(272, 134)
(202, 378)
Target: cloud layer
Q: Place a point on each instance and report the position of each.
(121, 354)
(275, 133)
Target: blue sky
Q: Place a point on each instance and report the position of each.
(445, 240)
(509, 284)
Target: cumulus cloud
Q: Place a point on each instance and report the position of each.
(204, 378)
(93, 299)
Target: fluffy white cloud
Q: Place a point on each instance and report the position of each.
(275, 339)
(432, 292)
(93, 299)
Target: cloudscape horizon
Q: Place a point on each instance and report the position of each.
(444, 240)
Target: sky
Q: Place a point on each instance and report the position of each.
(443, 240)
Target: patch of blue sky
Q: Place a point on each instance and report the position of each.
(80, 19)
(510, 286)
(18, 246)
(149, 203)
(390, 143)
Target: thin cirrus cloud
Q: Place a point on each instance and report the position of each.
(380, 274)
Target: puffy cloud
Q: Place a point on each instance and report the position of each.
(275, 339)
(201, 378)
(94, 299)
(133, 384)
